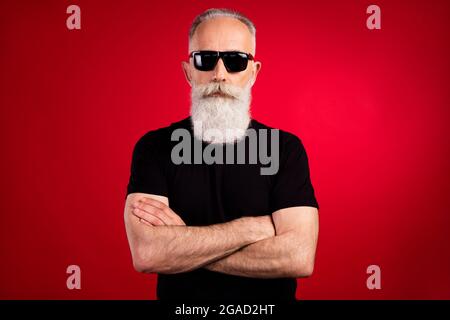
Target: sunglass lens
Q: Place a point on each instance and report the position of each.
(235, 61)
(205, 61)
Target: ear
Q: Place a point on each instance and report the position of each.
(256, 68)
(187, 71)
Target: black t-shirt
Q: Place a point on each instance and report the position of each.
(205, 194)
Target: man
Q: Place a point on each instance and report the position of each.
(221, 230)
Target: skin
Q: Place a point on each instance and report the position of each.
(222, 34)
(281, 244)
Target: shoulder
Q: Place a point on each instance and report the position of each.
(158, 140)
(161, 136)
(287, 140)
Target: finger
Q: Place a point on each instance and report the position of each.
(179, 220)
(149, 205)
(160, 214)
(164, 214)
(176, 217)
(145, 222)
(165, 209)
(148, 217)
(151, 221)
(153, 202)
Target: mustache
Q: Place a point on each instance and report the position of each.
(215, 89)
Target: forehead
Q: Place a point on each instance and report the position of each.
(221, 34)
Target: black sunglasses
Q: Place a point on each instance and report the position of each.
(234, 61)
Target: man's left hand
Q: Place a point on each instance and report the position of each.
(155, 213)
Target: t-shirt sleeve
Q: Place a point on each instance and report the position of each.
(292, 184)
(147, 173)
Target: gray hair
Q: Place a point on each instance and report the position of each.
(222, 12)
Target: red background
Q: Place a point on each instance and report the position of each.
(372, 109)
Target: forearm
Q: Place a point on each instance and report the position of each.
(174, 249)
(273, 257)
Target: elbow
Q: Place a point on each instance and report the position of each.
(302, 268)
(307, 270)
(140, 266)
(143, 262)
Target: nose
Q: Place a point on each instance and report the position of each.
(219, 72)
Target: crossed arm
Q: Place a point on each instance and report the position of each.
(279, 245)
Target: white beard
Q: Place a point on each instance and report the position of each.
(220, 119)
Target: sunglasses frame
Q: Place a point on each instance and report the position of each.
(220, 55)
